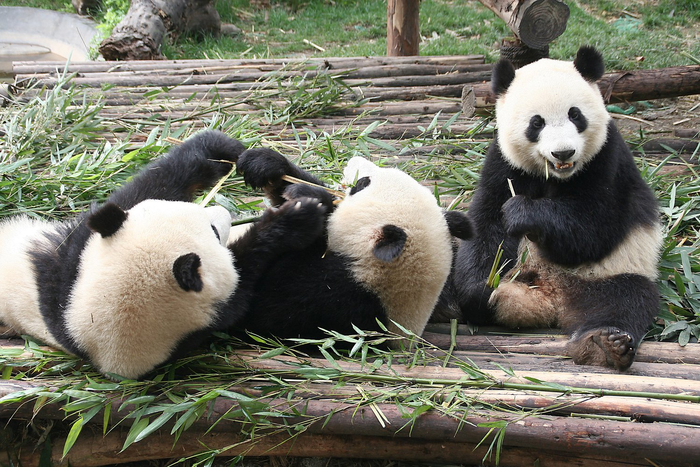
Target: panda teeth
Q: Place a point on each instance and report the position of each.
(563, 165)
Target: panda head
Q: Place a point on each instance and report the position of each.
(148, 277)
(550, 114)
(396, 238)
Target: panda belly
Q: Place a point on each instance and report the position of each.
(19, 293)
(538, 293)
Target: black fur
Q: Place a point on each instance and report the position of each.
(390, 244)
(186, 272)
(458, 224)
(107, 220)
(578, 119)
(574, 221)
(196, 164)
(502, 75)
(534, 128)
(589, 62)
(263, 168)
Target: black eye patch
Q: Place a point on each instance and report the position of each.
(360, 185)
(577, 118)
(534, 128)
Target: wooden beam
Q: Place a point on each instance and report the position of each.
(402, 27)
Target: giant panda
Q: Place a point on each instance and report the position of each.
(146, 276)
(580, 230)
(384, 256)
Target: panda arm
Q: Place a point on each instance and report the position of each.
(569, 230)
(194, 165)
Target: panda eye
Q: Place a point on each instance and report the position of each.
(216, 232)
(537, 122)
(360, 185)
(574, 113)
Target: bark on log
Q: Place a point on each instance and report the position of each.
(627, 86)
(402, 27)
(535, 22)
(140, 34)
(96, 451)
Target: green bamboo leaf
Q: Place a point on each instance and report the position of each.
(157, 423)
(135, 430)
(73, 434)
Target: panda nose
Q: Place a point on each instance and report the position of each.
(563, 155)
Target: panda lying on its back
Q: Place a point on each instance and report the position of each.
(145, 276)
(386, 255)
(581, 210)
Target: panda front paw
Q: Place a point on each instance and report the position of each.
(296, 223)
(262, 167)
(212, 148)
(516, 217)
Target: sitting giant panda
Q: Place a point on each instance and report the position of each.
(385, 255)
(580, 214)
(144, 277)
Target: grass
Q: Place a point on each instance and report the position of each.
(638, 35)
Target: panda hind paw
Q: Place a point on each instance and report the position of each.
(608, 346)
(298, 222)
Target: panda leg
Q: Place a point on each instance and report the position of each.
(293, 226)
(607, 319)
(196, 164)
(527, 297)
(264, 168)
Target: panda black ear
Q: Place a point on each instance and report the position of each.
(589, 62)
(390, 243)
(107, 220)
(186, 272)
(502, 75)
(459, 225)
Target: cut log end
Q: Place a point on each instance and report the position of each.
(542, 22)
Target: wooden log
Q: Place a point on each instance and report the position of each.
(139, 35)
(334, 63)
(402, 27)
(666, 352)
(627, 86)
(535, 22)
(95, 450)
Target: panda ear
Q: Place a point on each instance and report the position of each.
(107, 220)
(186, 272)
(589, 62)
(502, 75)
(390, 243)
(458, 224)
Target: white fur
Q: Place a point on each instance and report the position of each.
(19, 297)
(549, 88)
(127, 311)
(408, 286)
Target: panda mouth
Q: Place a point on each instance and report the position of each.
(561, 167)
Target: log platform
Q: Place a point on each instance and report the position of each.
(492, 398)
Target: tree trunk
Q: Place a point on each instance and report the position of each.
(140, 34)
(535, 22)
(402, 27)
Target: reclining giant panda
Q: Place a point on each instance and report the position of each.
(384, 256)
(580, 213)
(144, 277)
